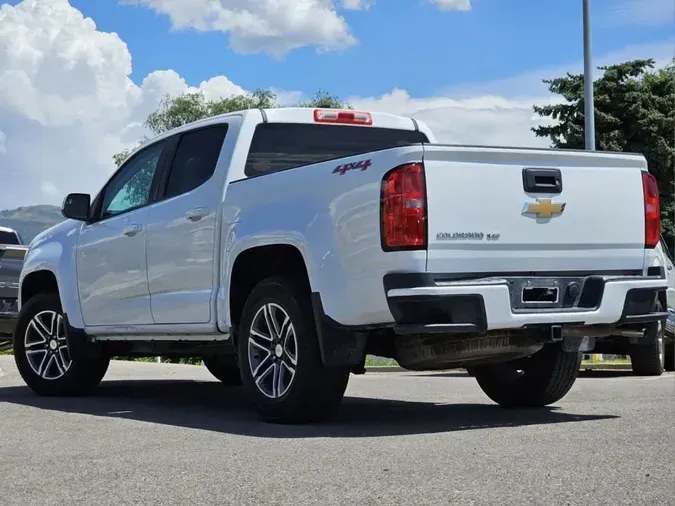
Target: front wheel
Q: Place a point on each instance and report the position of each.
(535, 381)
(42, 355)
(279, 356)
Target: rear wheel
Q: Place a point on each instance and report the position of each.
(224, 368)
(649, 360)
(538, 380)
(279, 356)
(42, 355)
(669, 359)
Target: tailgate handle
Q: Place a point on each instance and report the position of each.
(542, 180)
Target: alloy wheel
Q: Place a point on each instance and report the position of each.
(272, 350)
(45, 345)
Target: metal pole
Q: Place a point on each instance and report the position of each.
(589, 111)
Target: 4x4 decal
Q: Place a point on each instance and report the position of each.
(361, 164)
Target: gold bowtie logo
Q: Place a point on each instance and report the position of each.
(543, 208)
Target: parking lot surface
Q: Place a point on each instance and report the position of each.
(160, 434)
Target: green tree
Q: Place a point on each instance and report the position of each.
(177, 111)
(635, 112)
(325, 100)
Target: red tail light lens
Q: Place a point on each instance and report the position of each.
(403, 208)
(652, 210)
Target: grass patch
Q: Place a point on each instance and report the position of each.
(377, 361)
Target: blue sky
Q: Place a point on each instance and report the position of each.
(409, 44)
(75, 92)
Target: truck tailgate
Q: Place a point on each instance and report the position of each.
(481, 219)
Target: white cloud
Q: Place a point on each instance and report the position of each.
(487, 120)
(271, 26)
(453, 5)
(357, 5)
(67, 103)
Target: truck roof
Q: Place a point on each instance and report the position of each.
(300, 115)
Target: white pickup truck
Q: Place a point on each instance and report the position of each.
(283, 245)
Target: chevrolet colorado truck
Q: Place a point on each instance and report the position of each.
(11, 260)
(283, 245)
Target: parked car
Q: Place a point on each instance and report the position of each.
(284, 245)
(653, 357)
(11, 261)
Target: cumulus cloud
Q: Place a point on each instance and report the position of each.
(67, 103)
(271, 26)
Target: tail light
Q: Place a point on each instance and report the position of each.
(650, 191)
(403, 208)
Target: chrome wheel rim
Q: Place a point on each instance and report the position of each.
(45, 345)
(272, 351)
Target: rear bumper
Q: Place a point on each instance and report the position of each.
(419, 304)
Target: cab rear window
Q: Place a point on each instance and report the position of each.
(281, 146)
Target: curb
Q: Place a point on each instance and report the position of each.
(605, 367)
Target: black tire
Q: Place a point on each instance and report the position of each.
(77, 379)
(314, 392)
(546, 378)
(669, 358)
(649, 360)
(224, 368)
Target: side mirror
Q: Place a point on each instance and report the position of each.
(76, 206)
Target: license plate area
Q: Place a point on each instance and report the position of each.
(539, 295)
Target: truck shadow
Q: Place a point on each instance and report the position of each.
(212, 406)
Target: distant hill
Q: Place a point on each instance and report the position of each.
(29, 221)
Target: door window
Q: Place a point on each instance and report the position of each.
(131, 187)
(195, 160)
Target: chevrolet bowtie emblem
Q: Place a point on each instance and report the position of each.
(543, 208)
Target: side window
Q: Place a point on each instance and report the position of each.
(195, 160)
(131, 187)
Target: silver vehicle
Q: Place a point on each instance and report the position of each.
(12, 253)
(658, 354)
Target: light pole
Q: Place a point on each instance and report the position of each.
(589, 111)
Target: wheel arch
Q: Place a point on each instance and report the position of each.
(36, 282)
(254, 264)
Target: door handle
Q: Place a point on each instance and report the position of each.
(196, 214)
(131, 230)
(669, 267)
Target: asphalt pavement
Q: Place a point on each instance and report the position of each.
(160, 434)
